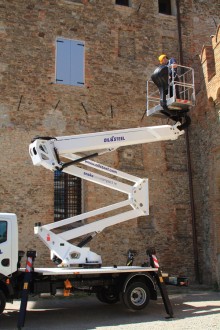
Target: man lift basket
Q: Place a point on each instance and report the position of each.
(171, 93)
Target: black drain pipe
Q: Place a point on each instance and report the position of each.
(192, 205)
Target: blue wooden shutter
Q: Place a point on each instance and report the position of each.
(77, 63)
(70, 62)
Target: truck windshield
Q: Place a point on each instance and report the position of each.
(3, 231)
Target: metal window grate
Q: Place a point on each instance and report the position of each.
(67, 195)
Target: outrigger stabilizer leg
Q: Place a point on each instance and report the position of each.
(159, 280)
(31, 255)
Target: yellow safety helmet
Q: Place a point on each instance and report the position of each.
(161, 57)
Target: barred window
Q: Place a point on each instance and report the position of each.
(67, 195)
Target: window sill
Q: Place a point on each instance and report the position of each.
(124, 9)
(73, 3)
(167, 15)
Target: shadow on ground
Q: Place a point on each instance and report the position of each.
(87, 313)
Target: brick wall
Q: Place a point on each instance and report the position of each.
(121, 49)
(205, 154)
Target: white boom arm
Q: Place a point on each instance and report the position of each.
(80, 149)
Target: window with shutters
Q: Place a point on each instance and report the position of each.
(67, 196)
(70, 62)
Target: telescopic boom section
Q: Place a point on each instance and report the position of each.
(48, 151)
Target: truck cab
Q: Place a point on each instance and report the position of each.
(8, 244)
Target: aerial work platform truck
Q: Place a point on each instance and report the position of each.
(77, 268)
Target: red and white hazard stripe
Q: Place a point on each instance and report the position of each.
(28, 265)
(156, 263)
(183, 101)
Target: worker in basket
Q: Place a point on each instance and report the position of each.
(172, 70)
(164, 78)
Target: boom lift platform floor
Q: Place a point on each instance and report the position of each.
(173, 104)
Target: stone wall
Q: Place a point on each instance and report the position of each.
(205, 149)
(121, 49)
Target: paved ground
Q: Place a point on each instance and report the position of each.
(193, 309)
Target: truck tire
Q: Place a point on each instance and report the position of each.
(2, 301)
(108, 295)
(136, 296)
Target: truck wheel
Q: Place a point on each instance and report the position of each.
(108, 295)
(2, 301)
(136, 296)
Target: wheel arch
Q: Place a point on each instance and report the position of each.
(145, 278)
